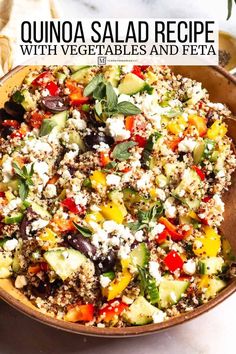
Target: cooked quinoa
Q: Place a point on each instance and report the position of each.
(111, 182)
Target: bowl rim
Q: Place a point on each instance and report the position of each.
(112, 331)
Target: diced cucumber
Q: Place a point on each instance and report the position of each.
(112, 74)
(13, 219)
(60, 119)
(214, 286)
(16, 259)
(198, 152)
(133, 200)
(211, 265)
(192, 203)
(161, 180)
(75, 138)
(171, 291)
(83, 76)
(152, 291)
(5, 265)
(38, 209)
(139, 256)
(65, 261)
(140, 312)
(28, 103)
(131, 84)
(75, 68)
(60, 76)
(170, 170)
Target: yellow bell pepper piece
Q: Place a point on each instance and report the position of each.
(150, 77)
(193, 215)
(218, 129)
(112, 211)
(94, 216)
(177, 125)
(9, 195)
(204, 282)
(118, 285)
(98, 179)
(208, 245)
(48, 238)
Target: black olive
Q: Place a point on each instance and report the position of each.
(82, 244)
(4, 115)
(54, 104)
(106, 263)
(96, 139)
(15, 110)
(43, 289)
(6, 131)
(23, 225)
(91, 119)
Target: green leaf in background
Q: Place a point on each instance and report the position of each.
(112, 98)
(83, 230)
(230, 7)
(93, 85)
(127, 108)
(100, 91)
(121, 152)
(46, 127)
(23, 189)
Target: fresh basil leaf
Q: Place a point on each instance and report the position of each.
(83, 230)
(112, 98)
(100, 91)
(121, 152)
(147, 88)
(127, 108)
(146, 154)
(18, 170)
(230, 6)
(98, 108)
(111, 165)
(46, 127)
(92, 85)
(145, 217)
(134, 226)
(18, 97)
(23, 190)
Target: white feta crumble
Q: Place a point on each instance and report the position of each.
(187, 145)
(127, 68)
(10, 245)
(50, 191)
(189, 267)
(104, 281)
(144, 181)
(124, 251)
(12, 205)
(7, 170)
(218, 203)
(160, 194)
(116, 127)
(113, 180)
(154, 270)
(42, 169)
(77, 123)
(220, 174)
(139, 236)
(39, 224)
(158, 316)
(170, 209)
(20, 281)
(45, 93)
(80, 199)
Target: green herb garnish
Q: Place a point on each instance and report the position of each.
(121, 151)
(46, 127)
(25, 179)
(83, 230)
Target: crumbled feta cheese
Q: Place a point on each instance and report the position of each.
(154, 270)
(45, 93)
(7, 170)
(127, 300)
(104, 281)
(189, 267)
(116, 127)
(158, 316)
(144, 181)
(170, 209)
(12, 205)
(198, 244)
(127, 68)
(218, 203)
(187, 145)
(50, 191)
(113, 180)
(39, 224)
(20, 281)
(77, 123)
(220, 174)
(80, 199)
(139, 236)
(42, 169)
(10, 245)
(160, 194)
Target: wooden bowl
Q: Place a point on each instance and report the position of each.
(222, 88)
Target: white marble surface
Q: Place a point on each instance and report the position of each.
(212, 333)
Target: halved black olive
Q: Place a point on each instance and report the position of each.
(96, 139)
(15, 110)
(106, 263)
(82, 244)
(54, 104)
(6, 131)
(4, 115)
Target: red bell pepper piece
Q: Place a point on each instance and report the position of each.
(137, 71)
(206, 199)
(40, 79)
(104, 158)
(11, 123)
(173, 144)
(199, 171)
(144, 67)
(52, 88)
(173, 261)
(69, 203)
(2, 195)
(161, 238)
(140, 140)
(36, 120)
(112, 309)
(126, 169)
(130, 123)
(172, 229)
(77, 98)
(80, 313)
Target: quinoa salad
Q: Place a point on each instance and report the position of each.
(111, 183)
